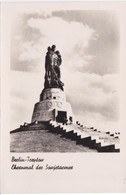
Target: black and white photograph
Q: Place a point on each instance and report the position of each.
(65, 65)
(63, 97)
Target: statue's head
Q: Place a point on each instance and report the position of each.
(53, 47)
(49, 48)
(57, 52)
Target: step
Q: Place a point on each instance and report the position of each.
(85, 141)
(77, 131)
(68, 129)
(107, 148)
(117, 146)
(86, 138)
(84, 135)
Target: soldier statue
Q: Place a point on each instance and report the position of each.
(53, 61)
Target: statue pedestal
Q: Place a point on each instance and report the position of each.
(53, 106)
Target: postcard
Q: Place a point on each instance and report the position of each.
(63, 97)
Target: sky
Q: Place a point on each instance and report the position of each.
(89, 44)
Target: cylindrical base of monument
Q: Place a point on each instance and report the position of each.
(53, 107)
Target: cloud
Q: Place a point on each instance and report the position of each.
(60, 31)
(71, 38)
(25, 90)
(94, 93)
(81, 36)
(93, 96)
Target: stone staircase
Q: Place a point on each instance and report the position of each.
(90, 137)
(31, 127)
(102, 141)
